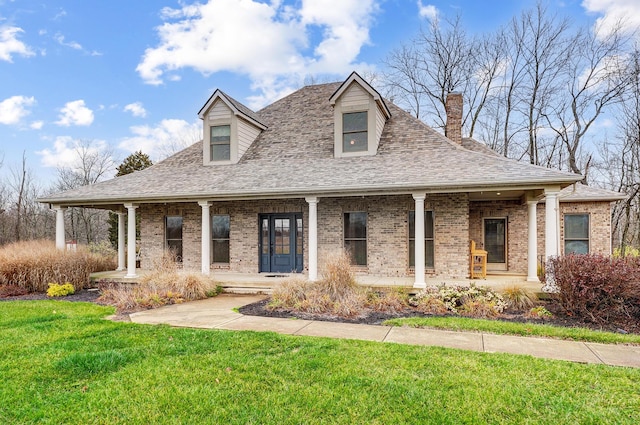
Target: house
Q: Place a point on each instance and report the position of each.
(335, 166)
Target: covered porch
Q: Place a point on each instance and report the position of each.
(263, 283)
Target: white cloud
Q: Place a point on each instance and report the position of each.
(36, 125)
(428, 11)
(75, 113)
(72, 44)
(167, 137)
(10, 45)
(60, 39)
(625, 12)
(64, 152)
(13, 109)
(136, 109)
(307, 38)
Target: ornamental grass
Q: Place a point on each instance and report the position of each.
(32, 265)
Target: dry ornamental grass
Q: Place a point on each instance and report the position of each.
(32, 265)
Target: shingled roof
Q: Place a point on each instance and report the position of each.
(293, 157)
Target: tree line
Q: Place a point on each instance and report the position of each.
(22, 217)
(536, 90)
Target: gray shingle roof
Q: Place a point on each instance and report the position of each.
(293, 157)
(581, 193)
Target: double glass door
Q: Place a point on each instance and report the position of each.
(281, 243)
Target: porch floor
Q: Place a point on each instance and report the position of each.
(263, 283)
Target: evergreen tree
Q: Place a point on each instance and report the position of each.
(135, 162)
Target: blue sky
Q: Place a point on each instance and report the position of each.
(132, 75)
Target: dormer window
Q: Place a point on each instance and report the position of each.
(229, 128)
(359, 116)
(220, 143)
(354, 132)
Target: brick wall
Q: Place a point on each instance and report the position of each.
(599, 224)
(517, 227)
(387, 238)
(455, 222)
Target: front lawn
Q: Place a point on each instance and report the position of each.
(60, 362)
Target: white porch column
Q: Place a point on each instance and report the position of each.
(206, 237)
(551, 224)
(532, 249)
(313, 238)
(131, 240)
(60, 239)
(121, 240)
(419, 241)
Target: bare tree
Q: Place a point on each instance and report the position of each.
(624, 165)
(20, 179)
(93, 163)
(595, 79)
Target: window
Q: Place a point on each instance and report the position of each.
(220, 236)
(428, 239)
(173, 236)
(354, 132)
(355, 237)
(221, 143)
(576, 233)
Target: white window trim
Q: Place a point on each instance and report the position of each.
(372, 144)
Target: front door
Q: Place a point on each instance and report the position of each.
(281, 243)
(495, 243)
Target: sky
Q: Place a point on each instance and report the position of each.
(122, 76)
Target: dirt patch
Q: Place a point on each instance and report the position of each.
(560, 318)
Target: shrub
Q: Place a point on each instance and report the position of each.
(539, 313)
(519, 298)
(32, 264)
(597, 287)
(480, 307)
(57, 290)
(470, 300)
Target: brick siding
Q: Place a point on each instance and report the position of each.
(456, 220)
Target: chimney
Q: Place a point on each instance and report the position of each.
(453, 108)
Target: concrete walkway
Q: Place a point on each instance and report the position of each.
(217, 313)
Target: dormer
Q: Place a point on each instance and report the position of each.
(359, 116)
(229, 128)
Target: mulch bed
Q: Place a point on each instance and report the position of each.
(560, 318)
(86, 295)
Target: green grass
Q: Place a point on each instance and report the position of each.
(514, 328)
(60, 362)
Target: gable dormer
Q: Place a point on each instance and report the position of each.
(359, 116)
(229, 128)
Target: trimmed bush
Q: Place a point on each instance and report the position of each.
(32, 265)
(57, 290)
(598, 287)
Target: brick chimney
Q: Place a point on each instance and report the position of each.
(453, 108)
